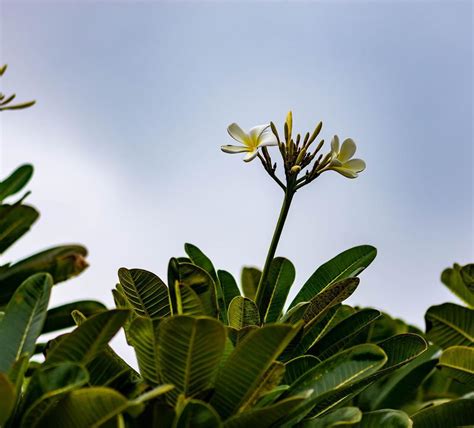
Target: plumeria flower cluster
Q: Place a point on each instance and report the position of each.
(295, 153)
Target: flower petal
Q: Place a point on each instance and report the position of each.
(335, 145)
(235, 131)
(356, 165)
(267, 138)
(257, 131)
(234, 149)
(251, 155)
(345, 172)
(348, 149)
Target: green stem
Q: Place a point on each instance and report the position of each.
(261, 292)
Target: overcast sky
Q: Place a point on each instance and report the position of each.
(133, 103)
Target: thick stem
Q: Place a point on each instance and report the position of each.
(261, 292)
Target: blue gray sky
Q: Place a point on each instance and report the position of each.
(133, 103)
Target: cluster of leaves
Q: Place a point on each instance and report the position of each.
(208, 356)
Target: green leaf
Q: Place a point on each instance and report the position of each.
(88, 339)
(61, 262)
(457, 279)
(86, 408)
(265, 417)
(189, 353)
(243, 312)
(400, 350)
(60, 317)
(247, 364)
(467, 275)
(201, 260)
(229, 286)
(345, 416)
(298, 367)
(322, 305)
(452, 414)
(349, 263)
(343, 334)
(15, 221)
(23, 320)
(188, 301)
(457, 362)
(250, 278)
(143, 334)
(343, 369)
(279, 281)
(8, 394)
(400, 388)
(16, 181)
(147, 293)
(450, 325)
(46, 387)
(331, 296)
(197, 413)
(198, 280)
(386, 418)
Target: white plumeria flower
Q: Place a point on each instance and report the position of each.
(258, 136)
(341, 158)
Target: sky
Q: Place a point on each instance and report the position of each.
(133, 102)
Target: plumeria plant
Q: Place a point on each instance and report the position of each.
(296, 155)
(212, 354)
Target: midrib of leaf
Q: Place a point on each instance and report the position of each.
(273, 292)
(189, 358)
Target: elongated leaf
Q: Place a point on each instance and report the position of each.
(188, 301)
(229, 286)
(331, 296)
(270, 380)
(349, 263)
(46, 387)
(345, 416)
(108, 369)
(86, 408)
(15, 221)
(279, 281)
(247, 365)
(298, 367)
(400, 389)
(23, 320)
(147, 293)
(16, 181)
(189, 353)
(341, 370)
(8, 398)
(457, 362)
(343, 334)
(450, 325)
(454, 280)
(61, 262)
(201, 260)
(455, 413)
(400, 350)
(198, 280)
(143, 335)
(265, 417)
(60, 317)
(197, 413)
(88, 339)
(250, 278)
(385, 418)
(243, 312)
